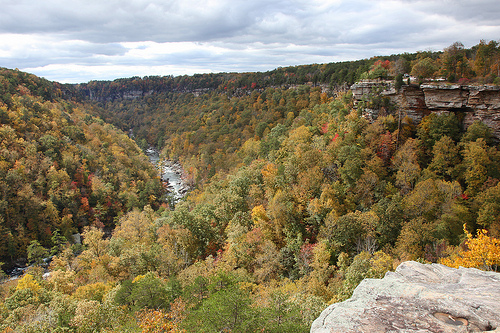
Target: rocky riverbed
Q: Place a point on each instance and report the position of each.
(171, 173)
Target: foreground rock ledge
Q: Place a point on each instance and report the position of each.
(418, 298)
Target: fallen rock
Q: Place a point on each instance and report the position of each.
(418, 298)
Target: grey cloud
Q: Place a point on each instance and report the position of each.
(232, 35)
(118, 21)
(292, 21)
(479, 11)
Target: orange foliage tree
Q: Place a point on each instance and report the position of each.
(161, 321)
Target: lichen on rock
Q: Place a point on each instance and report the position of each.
(418, 298)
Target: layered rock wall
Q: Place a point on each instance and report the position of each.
(476, 102)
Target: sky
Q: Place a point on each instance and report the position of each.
(75, 41)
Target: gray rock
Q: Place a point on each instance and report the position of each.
(418, 298)
(475, 102)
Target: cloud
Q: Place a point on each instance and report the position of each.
(67, 40)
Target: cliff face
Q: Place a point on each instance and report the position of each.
(476, 102)
(418, 298)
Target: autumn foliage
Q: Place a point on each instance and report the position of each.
(296, 196)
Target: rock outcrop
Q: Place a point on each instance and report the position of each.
(418, 298)
(475, 102)
(366, 87)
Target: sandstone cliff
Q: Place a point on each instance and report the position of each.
(475, 102)
(418, 298)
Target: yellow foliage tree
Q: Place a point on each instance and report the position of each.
(62, 281)
(94, 291)
(482, 252)
(28, 282)
(261, 220)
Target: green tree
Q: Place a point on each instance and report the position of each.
(146, 291)
(408, 168)
(489, 208)
(486, 54)
(346, 232)
(150, 292)
(364, 265)
(433, 127)
(282, 315)
(476, 163)
(424, 68)
(36, 252)
(226, 310)
(58, 241)
(454, 61)
(445, 158)
(478, 130)
(398, 81)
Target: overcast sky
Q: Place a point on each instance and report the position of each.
(82, 40)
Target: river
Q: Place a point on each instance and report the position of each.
(171, 172)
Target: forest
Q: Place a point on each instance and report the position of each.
(296, 196)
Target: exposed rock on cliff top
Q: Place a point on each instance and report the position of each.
(418, 298)
(476, 102)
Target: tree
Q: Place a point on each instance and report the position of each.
(58, 241)
(94, 291)
(433, 127)
(363, 266)
(481, 252)
(455, 63)
(158, 321)
(478, 130)
(391, 214)
(179, 248)
(36, 252)
(136, 227)
(445, 158)
(402, 65)
(92, 316)
(424, 68)
(486, 54)
(226, 310)
(432, 206)
(415, 234)
(267, 262)
(489, 209)
(476, 163)
(345, 232)
(282, 315)
(398, 81)
(406, 162)
(93, 240)
(379, 70)
(145, 291)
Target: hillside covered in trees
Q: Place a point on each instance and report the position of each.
(297, 197)
(61, 168)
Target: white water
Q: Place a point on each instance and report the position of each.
(168, 174)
